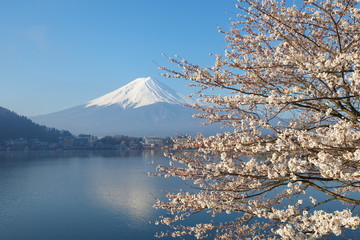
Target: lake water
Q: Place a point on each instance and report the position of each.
(79, 195)
(83, 195)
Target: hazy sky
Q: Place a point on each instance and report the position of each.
(56, 54)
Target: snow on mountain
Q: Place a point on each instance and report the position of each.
(139, 93)
(144, 107)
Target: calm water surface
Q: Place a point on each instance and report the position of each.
(79, 195)
(83, 195)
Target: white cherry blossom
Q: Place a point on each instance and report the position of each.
(287, 89)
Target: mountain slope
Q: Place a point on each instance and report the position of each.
(144, 107)
(140, 92)
(14, 126)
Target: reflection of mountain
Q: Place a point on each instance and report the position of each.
(14, 126)
(144, 107)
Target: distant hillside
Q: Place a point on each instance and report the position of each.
(14, 126)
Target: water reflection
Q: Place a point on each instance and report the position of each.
(83, 195)
(78, 195)
(78, 154)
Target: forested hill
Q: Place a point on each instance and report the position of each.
(13, 126)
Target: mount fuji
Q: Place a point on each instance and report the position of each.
(143, 107)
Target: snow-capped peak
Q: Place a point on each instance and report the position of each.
(141, 92)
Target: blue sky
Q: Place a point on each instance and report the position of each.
(56, 54)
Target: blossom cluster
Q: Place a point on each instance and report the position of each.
(289, 91)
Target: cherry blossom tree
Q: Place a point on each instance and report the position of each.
(287, 91)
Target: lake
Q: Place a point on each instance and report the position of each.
(79, 195)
